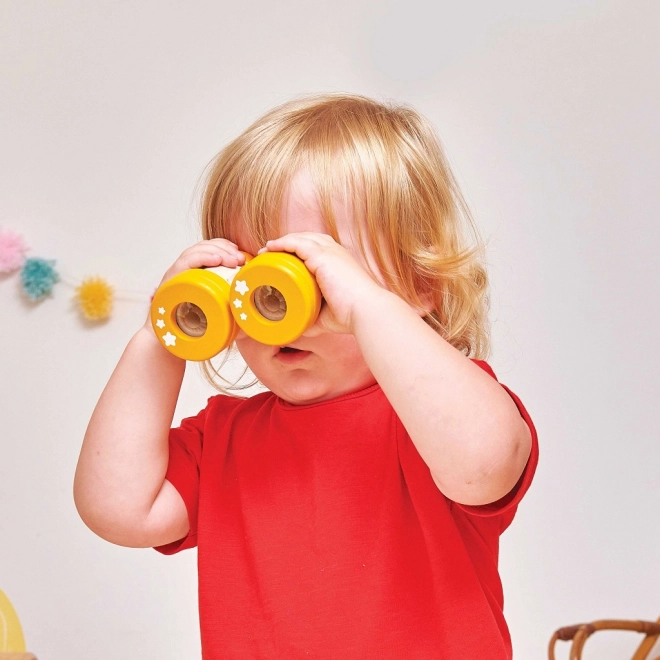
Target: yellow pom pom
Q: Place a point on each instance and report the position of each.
(95, 298)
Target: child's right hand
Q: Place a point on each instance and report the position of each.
(206, 254)
(121, 489)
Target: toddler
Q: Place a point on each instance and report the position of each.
(353, 510)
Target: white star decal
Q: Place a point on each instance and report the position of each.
(160, 323)
(238, 303)
(161, 310)
(169, 339)
(243, 317)
(242, 287)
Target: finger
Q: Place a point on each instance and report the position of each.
(224, 257)
(221, 242)
(219, 246)
(304, 245)
(215, 245)
(205, 256)
(199, 259)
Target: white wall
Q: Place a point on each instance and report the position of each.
(109, 111)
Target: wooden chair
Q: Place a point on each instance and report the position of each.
(579, 634)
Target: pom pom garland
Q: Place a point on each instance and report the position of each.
(12, 251)
(38, 277)
(95, 298)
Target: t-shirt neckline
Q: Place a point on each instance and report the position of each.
(344, 397)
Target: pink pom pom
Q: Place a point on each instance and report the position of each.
(12, 251)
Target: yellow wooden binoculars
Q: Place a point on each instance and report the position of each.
(273, 298)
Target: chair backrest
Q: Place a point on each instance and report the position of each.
(578, 635)
(646, 646)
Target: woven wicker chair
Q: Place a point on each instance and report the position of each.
(579, 634)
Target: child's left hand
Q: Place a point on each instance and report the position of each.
(344, 282)
(465, 426)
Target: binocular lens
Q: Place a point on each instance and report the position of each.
(270, 303)
(191, 319)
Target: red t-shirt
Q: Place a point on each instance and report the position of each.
(321, 534)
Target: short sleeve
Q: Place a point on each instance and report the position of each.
(506, 506)
(183, 471)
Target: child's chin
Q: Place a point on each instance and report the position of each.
(310, 393)
(304, 398)
(302, 391)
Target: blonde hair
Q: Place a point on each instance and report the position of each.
(386, 162)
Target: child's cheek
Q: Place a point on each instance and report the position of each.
(252, 351)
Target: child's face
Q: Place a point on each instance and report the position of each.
(328, 364)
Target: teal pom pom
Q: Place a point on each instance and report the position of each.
(38, 277)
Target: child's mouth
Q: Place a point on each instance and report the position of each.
(290, 355)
